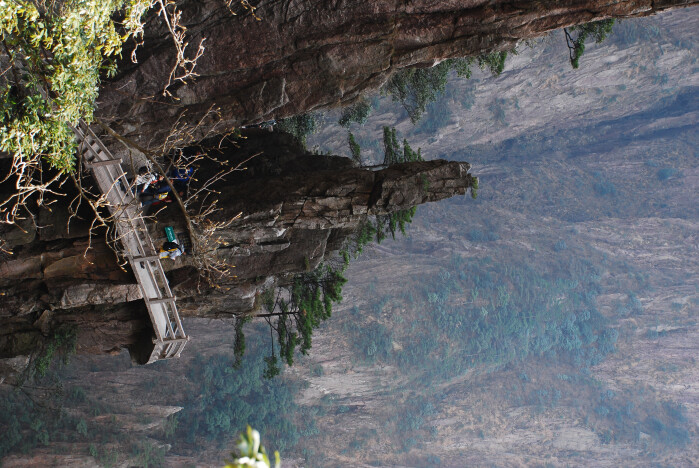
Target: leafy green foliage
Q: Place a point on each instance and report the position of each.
(56, 51)
(170, 425)
(392, 223)
(392, 151)
(148, 454)
(239, 340)
(494, 61)
(294, 311)
(411, 419)
(225, 400)
(298, 309)
(515, 312)
(23, 428)
(63, 342)
(360, 239)
(474, 188)
(29, 419)
(373, 341)
(598, 30)
(414, 88)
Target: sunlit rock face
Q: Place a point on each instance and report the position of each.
(298, 56)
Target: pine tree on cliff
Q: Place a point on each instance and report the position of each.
(393, 154)
(298, 309)
(599, 30)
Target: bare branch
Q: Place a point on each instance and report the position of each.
(183, 69)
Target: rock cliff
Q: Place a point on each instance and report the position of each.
(297, 208)
(301, 55)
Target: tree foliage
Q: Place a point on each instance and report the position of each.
(494, 61)
(514, 312)
(63, 342)
(295, 310)
(56, 52)
(598, 30)
(239, 341)
(225, 400)
(391, 223)
(300, 126)
(393, 154)
(414, 88)
(356, 113)
(355, 149)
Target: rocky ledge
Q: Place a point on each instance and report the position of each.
(297, 209)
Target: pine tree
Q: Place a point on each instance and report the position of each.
(599, 30)
(355, 149)
(295, 310)
(392, 151)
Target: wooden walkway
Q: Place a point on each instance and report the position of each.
(137, 245)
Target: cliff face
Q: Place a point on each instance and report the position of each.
(304, 55)
(642, 64)
(297, 208)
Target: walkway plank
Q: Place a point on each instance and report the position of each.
(137, 245)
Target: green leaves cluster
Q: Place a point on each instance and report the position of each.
(62, 342)
(357, 113)
(414, 88)
(494, 61)
(391, 223)
(56, 52)
(300, 126)
(355, 149)
(514, 312)
(224, 400)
